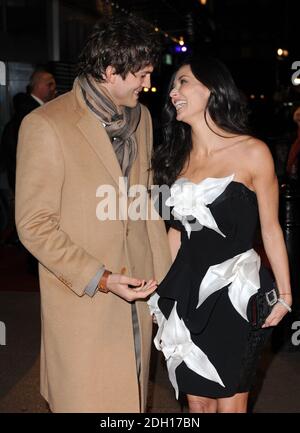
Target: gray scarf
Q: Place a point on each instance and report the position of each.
(120, 122)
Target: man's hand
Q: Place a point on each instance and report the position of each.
(118, 284)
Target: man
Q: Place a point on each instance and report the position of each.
(42, 88)
(95, 345)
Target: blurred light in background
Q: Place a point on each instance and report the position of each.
(282, 53)
(167, 59)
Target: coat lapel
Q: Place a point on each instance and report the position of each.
(98, 139)
(139, 172)
(96, 136)
(135, 169)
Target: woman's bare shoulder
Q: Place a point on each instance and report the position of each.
(259, 158)
(254, 148)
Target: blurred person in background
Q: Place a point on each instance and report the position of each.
(41, 89)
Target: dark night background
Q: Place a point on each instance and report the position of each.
(246, 34)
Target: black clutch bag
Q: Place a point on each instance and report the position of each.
(261, 304)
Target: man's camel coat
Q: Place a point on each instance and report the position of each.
(87, 349)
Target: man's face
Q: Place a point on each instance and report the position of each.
(126, 91)
(45, 87)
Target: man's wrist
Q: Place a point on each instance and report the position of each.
(102, 285)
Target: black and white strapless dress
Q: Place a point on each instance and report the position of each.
(201, 306)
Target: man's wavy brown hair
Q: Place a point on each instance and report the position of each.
(128, 44)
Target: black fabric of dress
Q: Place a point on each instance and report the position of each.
(230, 342)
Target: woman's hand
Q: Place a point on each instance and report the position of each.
(278, 312)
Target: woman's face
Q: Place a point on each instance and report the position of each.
(189, 96)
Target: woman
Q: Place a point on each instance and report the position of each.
(221, 179)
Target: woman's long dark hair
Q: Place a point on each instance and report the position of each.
(225, 106)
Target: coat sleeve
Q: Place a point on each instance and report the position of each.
(39, 183)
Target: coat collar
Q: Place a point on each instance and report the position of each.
(98, 139)
(95, 134)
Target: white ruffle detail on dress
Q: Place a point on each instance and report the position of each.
(190, 201)
(174, 340)
(242, 271)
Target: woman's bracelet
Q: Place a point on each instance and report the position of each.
(282, 302)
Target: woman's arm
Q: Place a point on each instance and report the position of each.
(174, 242)
(266, 187)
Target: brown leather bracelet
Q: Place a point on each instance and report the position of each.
(102, 285)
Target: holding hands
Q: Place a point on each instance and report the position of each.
(129, 288)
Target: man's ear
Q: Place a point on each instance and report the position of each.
(110, 74)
